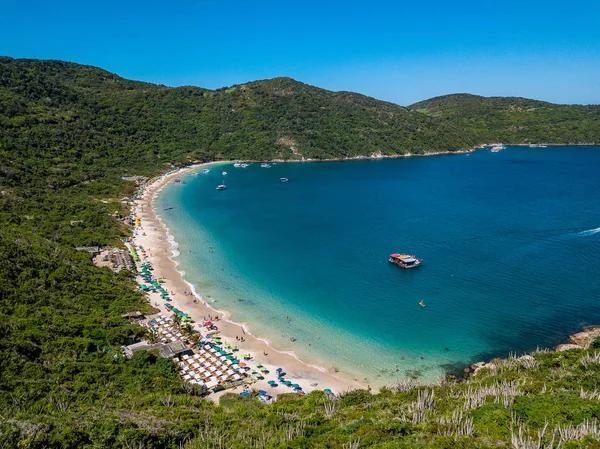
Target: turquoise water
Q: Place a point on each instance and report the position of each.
(510, 242)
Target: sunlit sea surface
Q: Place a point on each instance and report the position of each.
(510, 242)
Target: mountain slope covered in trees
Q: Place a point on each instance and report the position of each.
(515, 120)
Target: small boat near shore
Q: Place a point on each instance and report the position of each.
(222, 186)
(283, 180)
(497, 148)
(405, 261)
(265, 165)
(237, 165)
(206, 170)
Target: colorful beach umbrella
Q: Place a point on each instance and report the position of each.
(262, 392)
(271, 382)
(327, 391)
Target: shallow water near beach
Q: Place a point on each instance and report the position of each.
(510, 242)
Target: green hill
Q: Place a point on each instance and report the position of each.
(515, 120)
(69, 132)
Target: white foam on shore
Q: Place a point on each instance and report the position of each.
(175, 253)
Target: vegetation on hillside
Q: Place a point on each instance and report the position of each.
(513, 120)
(67, 135)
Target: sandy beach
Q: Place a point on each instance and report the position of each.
(156, 240)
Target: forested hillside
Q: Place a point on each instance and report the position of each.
(69, 132)
(513, 120)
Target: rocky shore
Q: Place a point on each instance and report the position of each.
(578, 341)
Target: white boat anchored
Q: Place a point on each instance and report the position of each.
(224, 173)
(497, 148)
(237, 165)
(244, 165)
(206, 170)
(222, 186)
(283, 180)
(265, 165)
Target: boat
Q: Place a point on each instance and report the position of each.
(222, 186)
(421, 303)
(283, 180)
(265, 165)
(405, 261)
(177, 180)
(237, 165)
(206, 170)
(497, 148)
(224, 173)
(244, 165)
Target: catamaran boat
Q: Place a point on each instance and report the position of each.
(405, 261)
(265, 165)
(283, 180)
(497, 148)
(222, 186)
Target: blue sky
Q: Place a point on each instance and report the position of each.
(397, 51)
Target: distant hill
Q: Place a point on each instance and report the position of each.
(84, 121)
(515, 119)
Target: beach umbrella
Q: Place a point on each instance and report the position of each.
(175, 310)
(168, 305)
(281, 379)
(327, 391)
(245, 393)
(279, 370)
(242, 364)
(229, 357)
(287, 382)
(235, 361)
(181, 314)
(296, 387)
(271, 382)
(262, 392)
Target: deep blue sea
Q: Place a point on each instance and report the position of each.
(510, 242)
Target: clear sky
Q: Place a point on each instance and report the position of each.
(393, 50)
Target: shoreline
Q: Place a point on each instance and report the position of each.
(307, 374)
(162, 250)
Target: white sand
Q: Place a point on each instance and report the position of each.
(159, 250)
